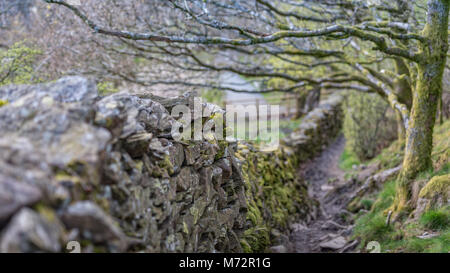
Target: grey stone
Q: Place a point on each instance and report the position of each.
(29, 232)
(61, 143)
(68, 89)
(14, 195)
(87, 217)
(279, 249)
(334, 244)
(138, 143)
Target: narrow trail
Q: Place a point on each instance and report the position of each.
(329, 232)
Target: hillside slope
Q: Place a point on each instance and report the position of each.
(428, 227)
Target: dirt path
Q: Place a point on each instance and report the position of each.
(329, 232)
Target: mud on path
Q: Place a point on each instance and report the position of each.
(330, 230)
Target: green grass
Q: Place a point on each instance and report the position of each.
(436, 219)
(347, 160)
(372, 227)
(439, 244)
(403, 237)
(367, 204)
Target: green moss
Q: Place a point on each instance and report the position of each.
(274, 195)
(3, 103)
(246, 247)
(163, 167)
(437, 185)
(62, 176)
(256, 240)
(195, 212)
(222, 147)
(185, 228)
(441, 145)
(46, 212)
(288, 126)
(105, 88)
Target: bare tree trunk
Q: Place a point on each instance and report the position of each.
(312, 99)
(307, 101)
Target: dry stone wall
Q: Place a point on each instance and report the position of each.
(105, 172)
(276, 195)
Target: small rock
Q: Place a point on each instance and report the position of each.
(298, 227)
(279, 249)
(157, 147)
(176, 156)
(349, 247)
(427, 235)
(191, 153)
(91, 219)
(226, 167)
(326, 188)
(334, 244)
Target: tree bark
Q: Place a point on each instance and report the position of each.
(404, 94)
(402, 83)
(419, 135)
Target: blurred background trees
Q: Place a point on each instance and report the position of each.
(369, 124)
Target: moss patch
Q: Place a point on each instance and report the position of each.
(437, 185)
(275, 196)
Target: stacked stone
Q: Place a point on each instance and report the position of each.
(276, 195)
(105, 172)
(318, 128)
